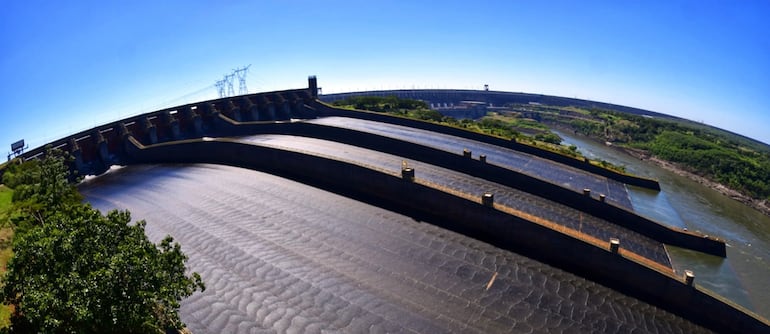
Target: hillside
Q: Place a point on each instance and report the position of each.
(733, 164)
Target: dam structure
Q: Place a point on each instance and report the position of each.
(303, 217)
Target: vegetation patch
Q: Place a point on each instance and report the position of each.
(736, 168)
(6, 194)
(734, 161)
(6, 251)
(76, 270)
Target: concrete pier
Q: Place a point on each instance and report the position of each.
(614, 245)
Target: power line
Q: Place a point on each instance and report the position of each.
(229, 82)
(225, 86)
(220, 87)
(241, 74)
(171, 102)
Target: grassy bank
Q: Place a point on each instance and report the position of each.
(6, 252)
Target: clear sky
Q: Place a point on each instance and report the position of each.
(69, 65)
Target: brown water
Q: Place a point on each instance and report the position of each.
(744, 276)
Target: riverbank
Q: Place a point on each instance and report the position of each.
(762, 206)
(6, 252)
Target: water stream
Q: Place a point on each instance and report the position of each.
(743, 275)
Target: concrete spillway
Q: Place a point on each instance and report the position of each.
(562, 175)
(514, 198)
(283, 256)
(279, 256)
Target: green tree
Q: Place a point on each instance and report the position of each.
(90, 273)
(549, 137)
(41, 187)
(78, 271)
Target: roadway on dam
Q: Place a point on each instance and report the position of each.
(565, 176)
(511, 197)
(279, 256)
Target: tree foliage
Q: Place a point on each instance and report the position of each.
(745, 172)
(381, 104)
(735, 161)
(41, 188)
(549, 137)
(75, 270)
(393, 105)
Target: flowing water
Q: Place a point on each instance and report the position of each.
(280, 256)
(744, 276)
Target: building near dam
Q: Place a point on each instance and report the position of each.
(302, 217)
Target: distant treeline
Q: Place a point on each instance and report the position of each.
(419, 110)
(382, 104)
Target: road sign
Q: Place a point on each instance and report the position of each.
(17, 146)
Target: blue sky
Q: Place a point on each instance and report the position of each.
(70, 66)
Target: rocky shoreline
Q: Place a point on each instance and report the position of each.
(762, 206)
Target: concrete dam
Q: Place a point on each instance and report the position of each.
(302, 217)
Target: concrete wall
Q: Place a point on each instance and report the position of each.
(467, 217)
(569, 161)
(96, 150)
(100, 147)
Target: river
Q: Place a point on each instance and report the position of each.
(741, 277)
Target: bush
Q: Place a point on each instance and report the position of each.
(75, 270)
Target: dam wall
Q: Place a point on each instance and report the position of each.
(592, 205)
(271, 113)
(327, 110)
(469, 217)
(96, 149)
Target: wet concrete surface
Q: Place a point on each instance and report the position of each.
(511, 197)
(563, 175)
(282, 257)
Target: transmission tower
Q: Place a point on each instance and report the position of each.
(229, 80)
(225, 86)
(241, 74)
(220, 88)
